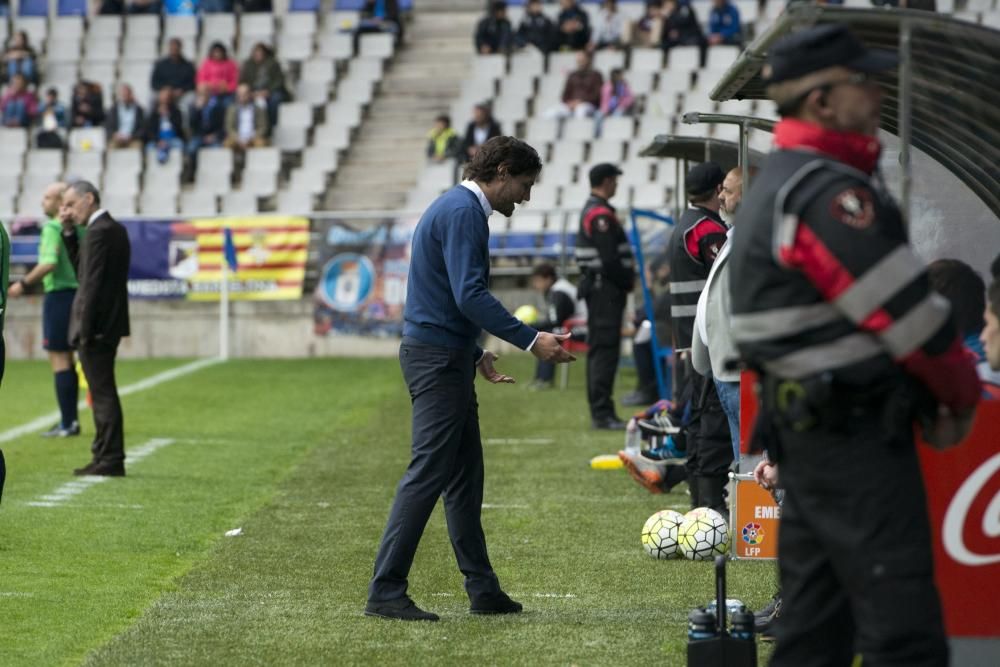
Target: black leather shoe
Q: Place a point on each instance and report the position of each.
(609, 425)
(497, 603)
(403, 609)
(108, 470)
(85, 470)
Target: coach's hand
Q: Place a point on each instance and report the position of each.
(549, 348)
(487, 370)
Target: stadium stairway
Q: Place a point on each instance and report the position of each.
(385, 159)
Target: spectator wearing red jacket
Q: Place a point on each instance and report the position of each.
(219, 72)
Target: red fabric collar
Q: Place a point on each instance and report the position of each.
(860, 151)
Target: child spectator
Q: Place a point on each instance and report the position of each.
(262, 72)
(574, 26)
(480, 129)
(52, 121)
(442, 140)
(582, 93)
(616, 95)
(246, 122)
(164, 126)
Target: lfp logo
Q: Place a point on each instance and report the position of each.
(753, 533)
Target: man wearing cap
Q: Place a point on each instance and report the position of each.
(833, 309)
(607, 276)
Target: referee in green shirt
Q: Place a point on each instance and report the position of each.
(58, 256)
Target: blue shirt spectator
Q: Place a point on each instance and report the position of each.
(18, 105)
(724, 24)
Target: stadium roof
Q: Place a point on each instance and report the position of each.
(699, 149)
(955, 101)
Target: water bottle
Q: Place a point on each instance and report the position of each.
(633, 439)
(743, 627)
(701, 625)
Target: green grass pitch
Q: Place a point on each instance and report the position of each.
(304, 456)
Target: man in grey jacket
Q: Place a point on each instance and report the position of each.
(712, 345)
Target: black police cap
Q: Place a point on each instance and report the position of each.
(600, 172)
(820, 47)
(703, 178)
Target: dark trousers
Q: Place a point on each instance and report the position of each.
(709, 444)
(98, 361)
(855, 551)
(447, 460)
(605, 308)
(545, 371)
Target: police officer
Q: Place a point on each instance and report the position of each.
(694, 245)
(607, 276)
(834, 310)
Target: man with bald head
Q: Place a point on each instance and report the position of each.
(99, 320)
(58, 255)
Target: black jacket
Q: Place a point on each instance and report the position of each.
(694, 245)
(470, 134)
(215, 123)
(539, 31)
(111, 122)
(496, 34)
(178, 74)
(153, 124)
(100, 309)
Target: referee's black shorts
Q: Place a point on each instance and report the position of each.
(55, 320)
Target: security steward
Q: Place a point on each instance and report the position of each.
(834, 310)
(607, 273)
(695, 243)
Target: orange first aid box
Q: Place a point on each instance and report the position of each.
(754, 522)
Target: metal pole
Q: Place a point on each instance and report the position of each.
(224, 312)
(744, 160)
(677, 189)
(903, 119)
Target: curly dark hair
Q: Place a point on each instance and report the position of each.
(516, 155)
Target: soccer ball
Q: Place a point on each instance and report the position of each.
(527, 314)
(659, 534)
(703, 534)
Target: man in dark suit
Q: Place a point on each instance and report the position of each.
(99, 320)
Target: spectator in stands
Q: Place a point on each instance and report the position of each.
(442, 141)
(52, 121)
(18, 106)
(254, 6)
(561, 304)
(219, 72)
(173, 71)
(130, 7)
(262, 72)
(126, 121)
(536, 29)
(724, 24)
(480, 129)
(574, 26)
(658, 281)
(86, 108)
(246, 122)
(207, 123)
(649, 28)
(680, 26)
(164, 126)
(616, 95)
(609, 27)
(20, 58)
(494, 33)
(965, 290)
(379, 16)
(582, 93)
(216, 6)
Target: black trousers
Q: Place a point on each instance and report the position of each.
(605, 309)
(447, 460)
(855, 551)
(98, 361)
(709, 443)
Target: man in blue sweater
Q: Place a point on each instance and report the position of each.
(448, 303)
(724, 24)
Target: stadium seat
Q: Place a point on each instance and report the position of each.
(66, 27)
(578, 129)
(243, 202)
(568, 151)
(291, 47)
(198, 203)
(543, 196)
(101, 51)
(641, 82)
(319, 158)
(618, 127)
(377, 45)
(120, 204)
(156, 202)
(184, 27)
(88, 166)
(104, 27)
(529, 62)
(44, 161)
(607, 60)
(62, 51)
(649, 195)
(72, 7)
(294, 202)
(304, 6)
(721, 57)
(684, 58)
(139, 48)
(116, 181)
(540, 130)
(299, 23)
(33, 8)
(36, 26)
(357, 89)
(606, 150)
(344, 112)
(562, 63)
(338, 46)
(307, 180)
(263, 183)
(217, 28)
(491, 66)
(646, 60)
(290, 139)
(86, 139)
(125, 160)
(145, 25)
(13, 141)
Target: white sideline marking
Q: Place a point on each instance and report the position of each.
(69, 490)
(46, 421)
(562, 596)
(518, 441)
(491, 506)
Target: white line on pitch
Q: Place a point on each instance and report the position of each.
(46, 420)
(69, 490)
(563, 596)
(491, 506)
(518, 441)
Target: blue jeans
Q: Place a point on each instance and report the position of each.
(729, 395)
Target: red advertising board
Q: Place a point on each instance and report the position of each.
(963, 498)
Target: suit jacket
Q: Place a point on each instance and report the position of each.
(100, 309)
(260, 122)
(111, 122)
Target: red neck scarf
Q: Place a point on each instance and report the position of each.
(858, 150)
